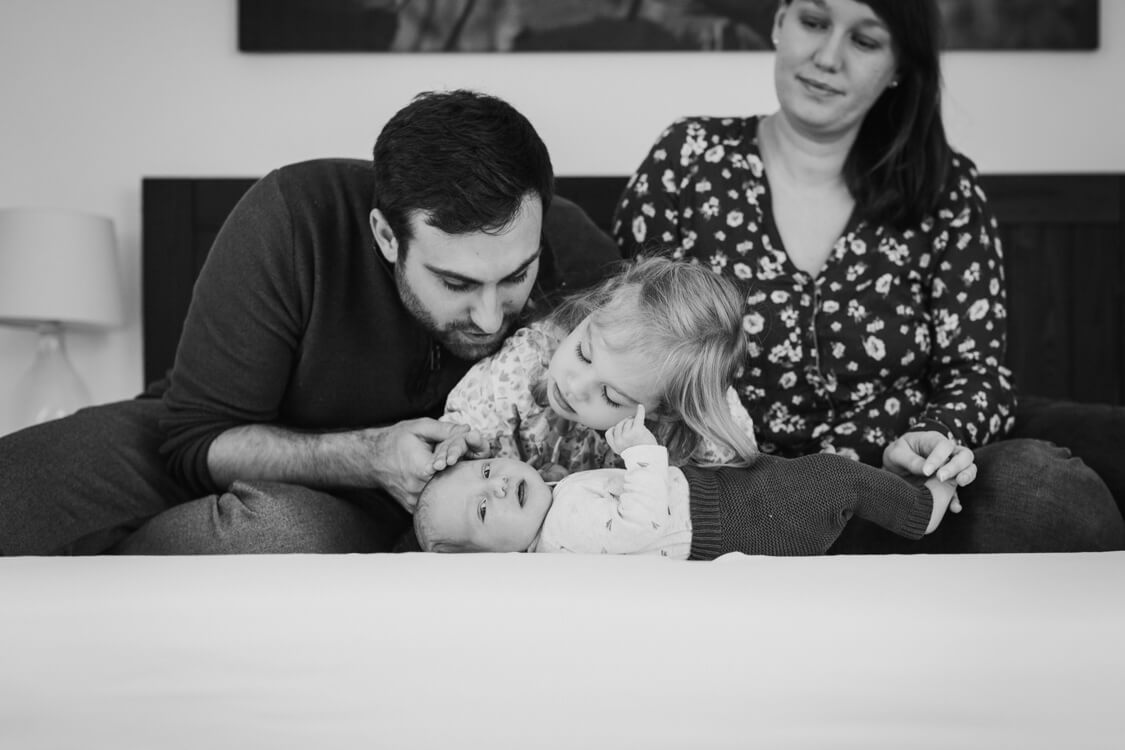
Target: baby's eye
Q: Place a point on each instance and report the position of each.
(482, 509)
(486, 470)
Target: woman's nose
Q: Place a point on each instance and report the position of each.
(827, 56)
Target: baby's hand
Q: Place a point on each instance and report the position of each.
(629, 432)
(945, 498)
(552, 472)
(466, 444)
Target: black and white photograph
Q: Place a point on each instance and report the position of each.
(362, 388)
(617, 25)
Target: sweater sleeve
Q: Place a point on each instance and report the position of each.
(648, 215)
(972, 398)
(797, 506)
(241, 334)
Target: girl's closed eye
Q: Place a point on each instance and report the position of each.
(581, 356)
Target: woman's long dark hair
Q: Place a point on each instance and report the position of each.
(898, 167)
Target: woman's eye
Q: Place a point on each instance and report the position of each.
(812, 22)
(482, 509)
(578, 351)
(865, 43)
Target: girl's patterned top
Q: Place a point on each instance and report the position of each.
(504, 397)
(900, 330)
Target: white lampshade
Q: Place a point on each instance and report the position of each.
(58, 266)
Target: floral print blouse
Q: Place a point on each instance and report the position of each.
(900, 330)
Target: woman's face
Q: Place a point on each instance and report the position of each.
(835, 58)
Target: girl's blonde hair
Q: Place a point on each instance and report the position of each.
(687, 321)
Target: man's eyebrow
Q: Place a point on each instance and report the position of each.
(470, 280)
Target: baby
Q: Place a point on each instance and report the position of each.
(774, 506)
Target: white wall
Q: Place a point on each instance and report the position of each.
(96, 95)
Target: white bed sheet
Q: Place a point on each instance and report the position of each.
(545, 651)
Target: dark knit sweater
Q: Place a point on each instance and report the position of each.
(797, 506)
(295, 320)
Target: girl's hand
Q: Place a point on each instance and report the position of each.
(463, 444)
(931, 454)
(629, 432)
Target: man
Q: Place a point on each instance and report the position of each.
(336, 309)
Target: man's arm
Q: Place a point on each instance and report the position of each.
(397, 458)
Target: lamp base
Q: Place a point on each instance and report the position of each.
(51, 388)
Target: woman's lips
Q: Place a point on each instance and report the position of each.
(818, 87)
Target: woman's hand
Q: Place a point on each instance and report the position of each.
(930, 454)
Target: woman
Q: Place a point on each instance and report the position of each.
(876, 302)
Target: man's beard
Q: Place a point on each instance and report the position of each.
(455, 337)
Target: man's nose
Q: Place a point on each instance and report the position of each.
(488, 312)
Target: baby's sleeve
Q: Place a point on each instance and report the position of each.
(609, 511)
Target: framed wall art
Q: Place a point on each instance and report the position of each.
(617, 25)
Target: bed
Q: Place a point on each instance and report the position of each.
(545, 651)
(541, 651)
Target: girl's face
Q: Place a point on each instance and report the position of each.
(835, 58)
(595, 384)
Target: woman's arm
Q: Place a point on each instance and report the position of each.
(971, 394)
(648, 213)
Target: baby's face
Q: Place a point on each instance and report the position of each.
(488, 505)
(592, 382)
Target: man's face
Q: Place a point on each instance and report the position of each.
(466, 289)
(487, 505)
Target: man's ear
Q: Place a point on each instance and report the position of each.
(385, 238)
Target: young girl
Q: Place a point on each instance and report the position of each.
(661, 334)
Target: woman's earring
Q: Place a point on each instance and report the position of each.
(893, 84)
(774, 40)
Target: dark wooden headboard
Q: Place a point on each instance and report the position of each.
(1064, 241)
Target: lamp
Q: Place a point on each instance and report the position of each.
(57, 268)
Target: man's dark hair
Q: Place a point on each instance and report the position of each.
(465, 159)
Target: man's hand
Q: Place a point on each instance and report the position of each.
(629, 432)
(403, 455)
